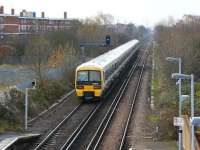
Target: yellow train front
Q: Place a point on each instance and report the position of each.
(89, 82)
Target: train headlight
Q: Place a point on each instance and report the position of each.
(97, 86)
(80, 87)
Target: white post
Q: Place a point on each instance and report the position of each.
(26, 109)
(180, 96)
(83, 53)
(192, 110)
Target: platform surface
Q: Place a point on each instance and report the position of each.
(8, 140)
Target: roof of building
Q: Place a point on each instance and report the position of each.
(8, 15)
(45, 18)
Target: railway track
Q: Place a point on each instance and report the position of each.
(55, 133)
(96, 141)
(70, 131)
(55, 136)
(132, 105)
(54, 139)
(76, 117)
(60, 101)
(60, 131)
(48, 120)
(77, 140)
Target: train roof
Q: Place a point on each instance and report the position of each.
(105, 59)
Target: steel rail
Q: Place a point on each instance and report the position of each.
(104, 124)
(70, 141)
(52, 106)
(46, 139)
(74, 134)
(79, 129)
(132, 107)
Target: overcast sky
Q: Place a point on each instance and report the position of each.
(146, 12)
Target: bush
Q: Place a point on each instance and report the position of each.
(11, 114)
(45, 94)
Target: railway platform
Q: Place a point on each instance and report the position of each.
(8, 140)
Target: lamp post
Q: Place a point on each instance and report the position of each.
(30, 85)
(178, 60)
(83, 53)
(26, 109)
(191, 78)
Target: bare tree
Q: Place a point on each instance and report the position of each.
(37, 51)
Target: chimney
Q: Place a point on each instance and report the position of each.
(1, 10)
(12, 11)
(65, 15)
(43, 14)
(34, 14)
(21, 14)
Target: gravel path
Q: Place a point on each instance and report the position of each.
(141, 134)
(113, 135)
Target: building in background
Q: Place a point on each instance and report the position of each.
(190, 19)
(27, 22)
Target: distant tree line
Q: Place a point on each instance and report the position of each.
(37, 50)
(94, 29)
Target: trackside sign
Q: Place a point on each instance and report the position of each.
(178, 121)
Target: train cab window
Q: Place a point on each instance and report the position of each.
(88, 76)
(94, 76)
(82, 76)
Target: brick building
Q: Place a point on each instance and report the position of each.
(27, 23)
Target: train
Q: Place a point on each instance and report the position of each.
(93, 78)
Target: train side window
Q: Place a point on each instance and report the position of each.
(103, 76)
(106, 75)
(115, 65)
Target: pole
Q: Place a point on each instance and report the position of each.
(83, 53)
(153, 56)
(180, 98)
(192, 109)
(26, 108)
